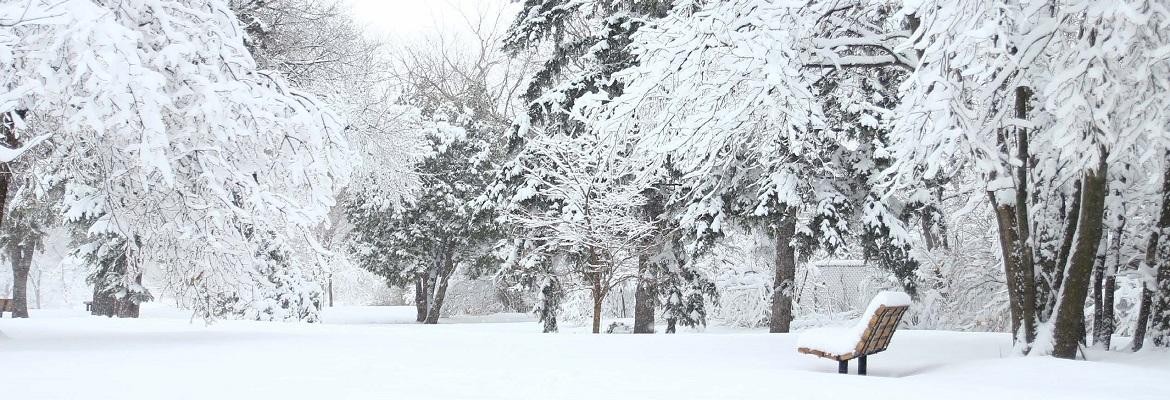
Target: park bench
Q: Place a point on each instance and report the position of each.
(7, 305)
(871, 334)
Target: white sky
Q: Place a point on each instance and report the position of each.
(410, 18)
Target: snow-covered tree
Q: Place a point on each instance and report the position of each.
(1042, 101)
(176, 149)
(580, 45)
(31, 213)
(767, 135)
(423, 239)
(592, 226)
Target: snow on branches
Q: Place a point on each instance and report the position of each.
(174, 142)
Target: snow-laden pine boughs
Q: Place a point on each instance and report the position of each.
(178, 143)
(739, 98)
(441, 226)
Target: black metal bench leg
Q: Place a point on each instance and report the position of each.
(861, 365)
(843, 366)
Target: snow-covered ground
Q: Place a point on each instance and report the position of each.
(379, 353)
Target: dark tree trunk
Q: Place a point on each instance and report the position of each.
(7, 121)
(1070, 317)
(1143, 319)
(420, 298)
(446, 263)
(1014, 231)
(1020, 303)
(644, 298)
(1103, 315)
(330, 290)
(1053, 270)
(1160, 307)
(128, 308)
(1026, 272)
(1098, 300)
(596, 311)
(101, 304)
(928, 233)
(597, 290)
(109, 305)
(550, 305)
(5, 180)
(21, 259)
(1154, 260)
(1108, 322)
(785, 277)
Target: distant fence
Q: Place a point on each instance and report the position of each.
(837, 286)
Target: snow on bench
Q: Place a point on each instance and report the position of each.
(870, 335)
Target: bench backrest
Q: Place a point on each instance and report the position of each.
(880, 330)
(7, 305)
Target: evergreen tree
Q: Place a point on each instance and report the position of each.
(577, 66)
(443, 225)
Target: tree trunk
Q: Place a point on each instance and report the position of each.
(644, 298)
(109, 305)
(440, 292)
(1160, 307)
(101, 304)
(1070, 315)
(928, 233)
(1108, 322)
(1103, 315)
(1153, 261)
(1098, 300)
(1143, 319)
(7, 123)
(1015, 230)
(420, 298)
(785, 276)
(1020, 304)
(21, 259)
(1024, 274)
(596, 314)
(330, 289)
(550, 303)
(128, 308)
(1054, 271)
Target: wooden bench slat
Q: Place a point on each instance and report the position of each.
(876, 337)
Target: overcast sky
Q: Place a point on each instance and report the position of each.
(408, 18)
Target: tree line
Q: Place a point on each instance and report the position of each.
(594, 145)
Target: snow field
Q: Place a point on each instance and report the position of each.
(379, 353)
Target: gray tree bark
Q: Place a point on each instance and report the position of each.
(442, 278)
(785, 264)
(420, 298)
(550, 306)
(644, 298)
(1160, 307)
(1154, 259)
(1014, 231)
(1068, 329)
(1143, 319)
(20, 257)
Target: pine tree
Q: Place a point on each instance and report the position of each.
(441, 227)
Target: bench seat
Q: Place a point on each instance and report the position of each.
(871, 334)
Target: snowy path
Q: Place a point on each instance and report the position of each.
(67, 357)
